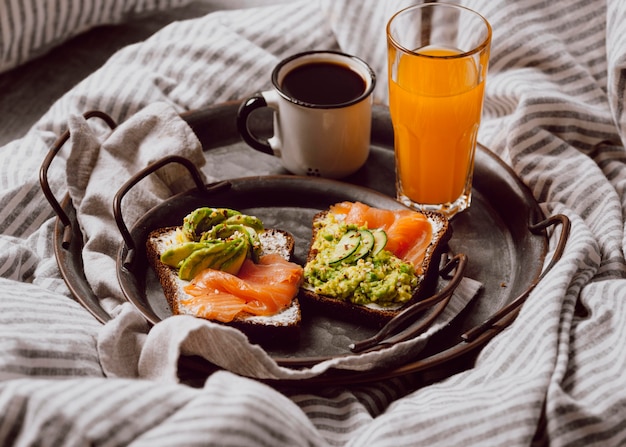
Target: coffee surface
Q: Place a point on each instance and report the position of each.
(323, 83)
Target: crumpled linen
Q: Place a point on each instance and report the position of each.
(98, 166)
(554, 114)
(129, 348)
(32, 28)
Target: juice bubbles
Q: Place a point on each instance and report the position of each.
(435, 101)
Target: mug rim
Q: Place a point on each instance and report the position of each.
(351, 59)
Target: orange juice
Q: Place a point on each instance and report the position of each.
(435, 101)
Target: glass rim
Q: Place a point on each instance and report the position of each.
(479, 48)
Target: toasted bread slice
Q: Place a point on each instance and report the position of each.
(262, 329)
(371, 313)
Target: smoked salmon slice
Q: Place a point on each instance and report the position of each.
(409, 233)
(264, 288)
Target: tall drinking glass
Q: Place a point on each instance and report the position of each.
(437, 58)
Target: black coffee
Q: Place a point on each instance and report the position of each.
(323, 83)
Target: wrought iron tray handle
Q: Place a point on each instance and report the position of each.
(43, 174)
(117, 201)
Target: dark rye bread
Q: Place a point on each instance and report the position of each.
(259, 329)
(372, 314)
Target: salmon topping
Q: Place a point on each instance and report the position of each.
(409, 233)
(264, 289)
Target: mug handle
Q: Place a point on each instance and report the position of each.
(245, 109)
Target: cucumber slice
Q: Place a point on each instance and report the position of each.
(367, 243)
(380, 240)
(364, 247)
(347, 245)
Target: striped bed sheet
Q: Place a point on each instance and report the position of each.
(554, 112)
(29, 28)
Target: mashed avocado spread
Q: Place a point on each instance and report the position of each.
(377, 276)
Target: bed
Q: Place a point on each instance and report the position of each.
(553, 115)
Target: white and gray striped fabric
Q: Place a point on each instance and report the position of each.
(554, 112)
(29, 28)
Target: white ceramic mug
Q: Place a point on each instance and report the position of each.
(322, 103)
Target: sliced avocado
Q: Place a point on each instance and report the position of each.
(246, 220)
(234, 263)
(347, 245)
(224, 231)
(203, 219)
(210, 257)
(175, 255)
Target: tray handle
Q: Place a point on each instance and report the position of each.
(126, 187)
(43, 174)
(503, 317)
(404, 318)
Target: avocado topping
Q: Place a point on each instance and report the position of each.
(216, 238)
(351, 263)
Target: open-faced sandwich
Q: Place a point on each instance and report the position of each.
(367, 264)
(224, 266)
(364, 264)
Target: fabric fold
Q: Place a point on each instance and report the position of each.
(159, 349)
(100, 162)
